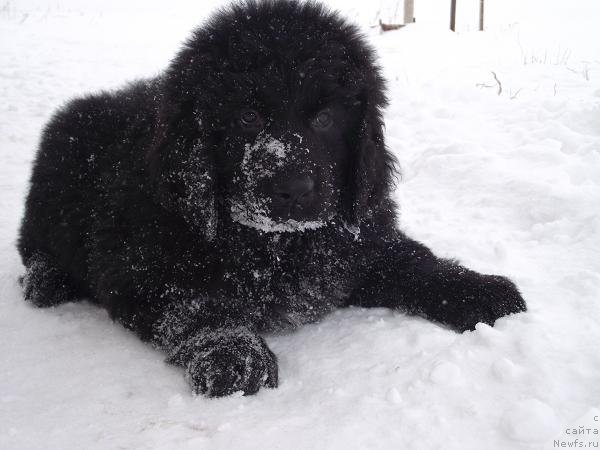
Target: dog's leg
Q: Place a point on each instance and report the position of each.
(407, 276)
(218, 359)
(45, 284)
(208, 336)
(222, 361)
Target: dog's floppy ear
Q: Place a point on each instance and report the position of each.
(372, 171)
(180, 160)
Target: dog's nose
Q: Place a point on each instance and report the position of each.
(295, 190)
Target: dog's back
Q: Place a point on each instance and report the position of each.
(82, 149)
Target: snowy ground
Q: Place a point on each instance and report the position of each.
(507, 183)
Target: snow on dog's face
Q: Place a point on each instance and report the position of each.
(288, 175)
(271, 116)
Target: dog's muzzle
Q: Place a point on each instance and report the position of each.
(292, 197)
(279, 189)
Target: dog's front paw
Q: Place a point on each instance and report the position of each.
(494, 297)
(222, 362)
(475, 298)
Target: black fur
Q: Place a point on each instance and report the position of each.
(169, 202)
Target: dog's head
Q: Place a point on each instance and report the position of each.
(271, 114)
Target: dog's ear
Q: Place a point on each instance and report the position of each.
(180, 161)
(372, 170)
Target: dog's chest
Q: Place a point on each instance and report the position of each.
(290, 282)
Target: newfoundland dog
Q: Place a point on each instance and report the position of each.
(245, 190)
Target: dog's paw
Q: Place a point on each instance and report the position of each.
(44, 284)
(462, 298)
(226, 361)
(475, 298)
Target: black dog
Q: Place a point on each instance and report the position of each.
(245, 190)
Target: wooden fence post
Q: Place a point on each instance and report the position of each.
(453, 15)
(409, 11)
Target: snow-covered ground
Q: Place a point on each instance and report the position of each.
(507, 183)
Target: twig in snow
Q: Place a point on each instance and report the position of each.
(565, 57)
(388, 26)
(396, 10)
(585, 72)
(499, 84)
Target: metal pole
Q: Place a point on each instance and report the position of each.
(481, 15)
(453, 15)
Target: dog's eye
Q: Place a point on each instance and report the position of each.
(249, 117)
(323, 119)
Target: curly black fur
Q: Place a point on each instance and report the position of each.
(245, 190)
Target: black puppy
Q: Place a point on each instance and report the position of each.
(245, 190)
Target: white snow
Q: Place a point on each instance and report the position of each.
(258, 219)
(507, 183)
(274, 147)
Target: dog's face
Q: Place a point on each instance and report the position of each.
(284, 161)
(271, 114)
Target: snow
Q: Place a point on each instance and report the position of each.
(507, 183)
(259, 220)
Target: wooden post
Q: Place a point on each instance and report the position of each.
(481, 15)
(453, 15)
(409, 11)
